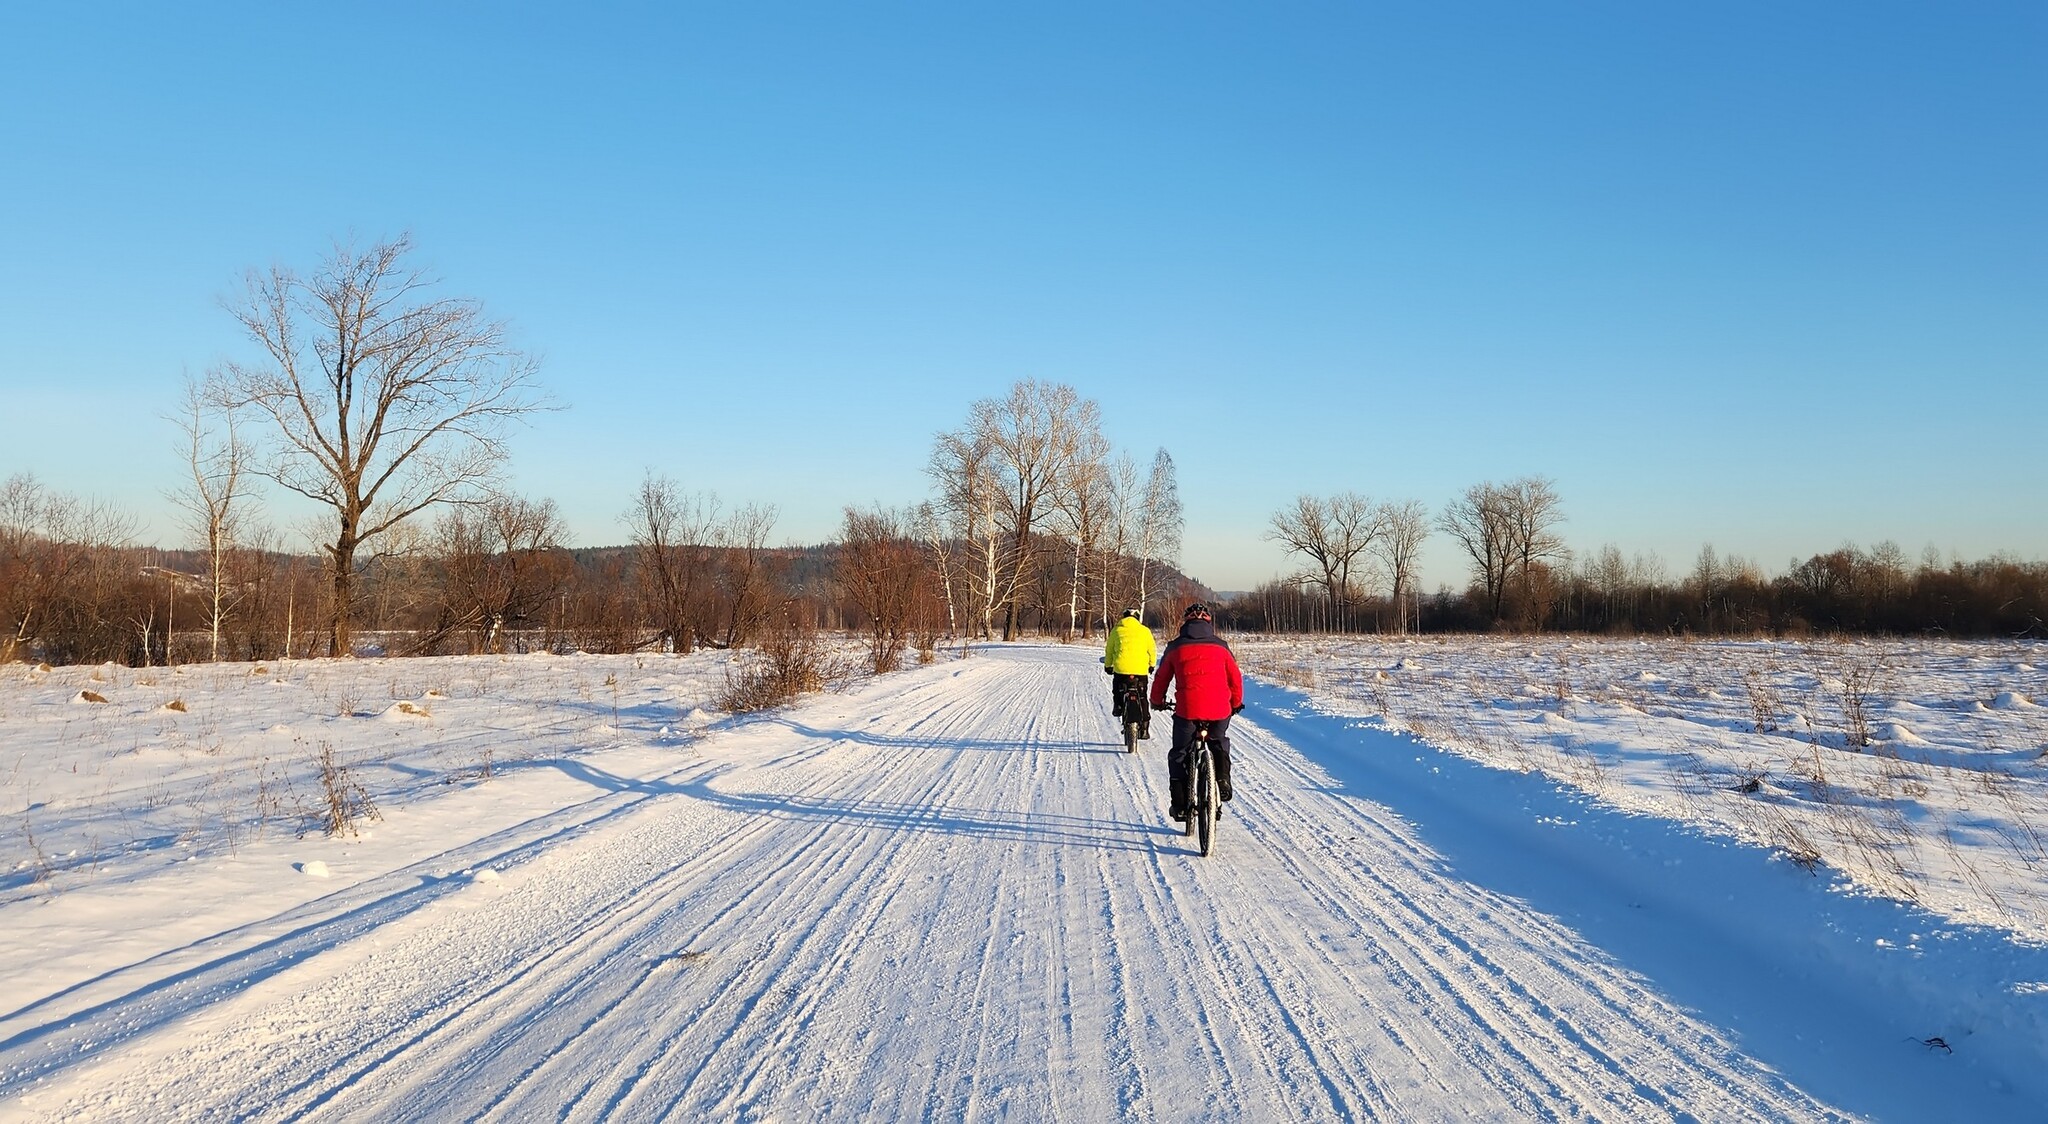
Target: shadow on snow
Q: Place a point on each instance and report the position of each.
(1837, 990)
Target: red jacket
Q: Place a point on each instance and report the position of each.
(1199, 660)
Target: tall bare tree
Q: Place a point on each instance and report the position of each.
(384, 400)
(1331, 533)
(1509, 533)
(1117, 574)
(1082, 501)
(999, 475)
(213, 500)
(1481, 522)
(962, 468)
(1403, 527)
(1534, 511)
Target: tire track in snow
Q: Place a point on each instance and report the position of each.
(1504, 991)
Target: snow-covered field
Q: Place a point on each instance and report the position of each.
(1464, 879)
(1917, 769)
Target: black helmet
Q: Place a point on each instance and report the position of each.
(1197, 612)
(1134, 614)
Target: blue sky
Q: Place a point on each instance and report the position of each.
(1769, 276)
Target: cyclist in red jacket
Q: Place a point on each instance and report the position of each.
(1211, 688)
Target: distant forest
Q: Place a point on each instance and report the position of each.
(1845, 591)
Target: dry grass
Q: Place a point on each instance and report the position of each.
(791, 662)
(345, 802)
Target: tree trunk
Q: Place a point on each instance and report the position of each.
(340, 636)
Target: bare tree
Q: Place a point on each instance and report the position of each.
(1508, 531)
(212, 500)
(1481, 523)
(881, 569)
(1000, 474)
(501, 566)
(24, 587)
(930, 528)
(1331, 533)
(1082, 500)
(1534, 511)
(384, 401)
(1403, 527)
(744, 578)
(671, 534)
(969, 501)
(1118, 574)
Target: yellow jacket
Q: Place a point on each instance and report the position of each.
(1130, 650)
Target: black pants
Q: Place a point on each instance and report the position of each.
(1117, 683)
(1180, 759)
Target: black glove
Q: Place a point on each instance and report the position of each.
(1237, 710)
(1110, 670)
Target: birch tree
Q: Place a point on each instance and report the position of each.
(1082, 501)
(384, 400)
(962, 468)
(213, 500)
(930, 528)
(1001, 473)
(1160, 523)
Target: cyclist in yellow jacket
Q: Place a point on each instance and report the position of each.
(1128, 656)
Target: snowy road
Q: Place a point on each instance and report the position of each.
(946, 896)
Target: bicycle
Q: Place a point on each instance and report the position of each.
(1205, 797)
(1134, 713)
(1205, 800)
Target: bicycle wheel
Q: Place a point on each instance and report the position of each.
(1130, 736)
(1206, 798)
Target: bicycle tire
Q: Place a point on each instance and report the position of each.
(1130, 736)
(1206, 800)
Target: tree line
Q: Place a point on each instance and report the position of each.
(1357, 576)
(496, 576)
(387, 406)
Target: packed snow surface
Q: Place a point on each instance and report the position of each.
(1458, 882)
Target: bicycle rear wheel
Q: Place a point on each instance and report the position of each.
(1206, 799)
(1130, 736)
